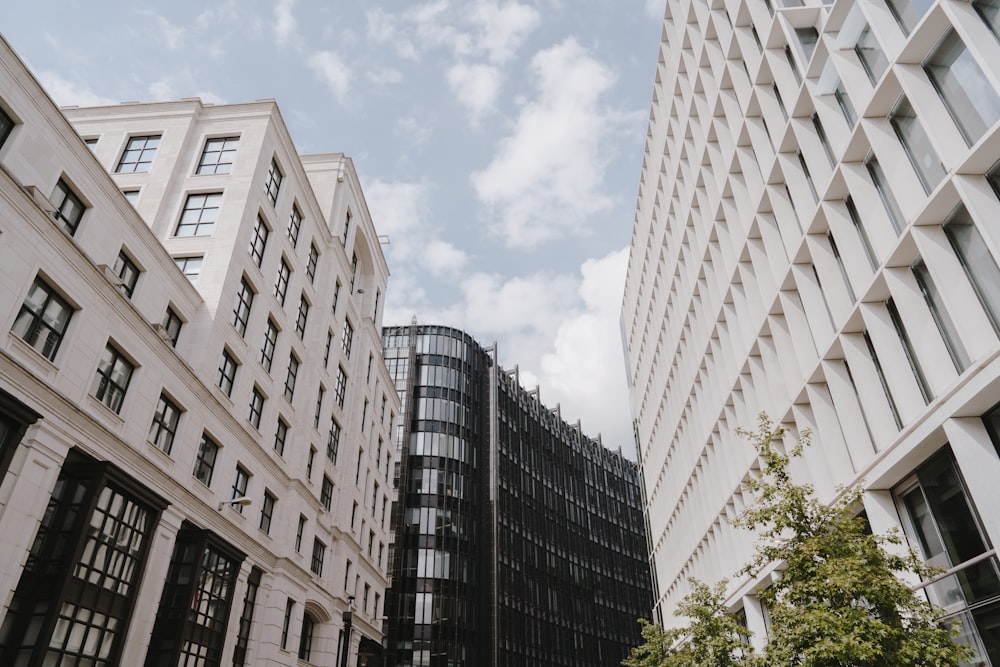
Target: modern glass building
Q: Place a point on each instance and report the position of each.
(816, 238)
(519, 540)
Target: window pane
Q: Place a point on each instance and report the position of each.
(980, 266)
(965, 90)
(917, 144)
(871, 55)
(909, 12)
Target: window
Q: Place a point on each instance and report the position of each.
(333, 441)
(294, 225)
(256, 407)
(347, 227)
(172, 326)
(293, 371)
(246, 618)
(326, 493)
(347, 339)
(298, 533)
(318, 554)
(884, 192)
(43, 319)
(852, 211)
(945, 325)
(805, 172)
(309, 463)
(190, 267)
(303, 316)
(844, 102)
(840, 264)
(943, 526)
(114, 372)
(193, 613)
(340, 389)
(347, 573)
(791, 63)
(204, 463)
(239, 489)
(289, 606)
(964, 89)
(821, 133)
(909, 12)
(319, 405)
(989, 11)
(241, 310)
(127, 272)
(227, 373)
(267, 512)
(138, 155)
(131, 196)
(917, 144)
(199, 215)
(267, 347)
(306, 638)
(871, 55)
(979, 265)
(365, 597)
(911, 355)
(311, 263)
(807, 38)
(281, 284)
(280, 436)
(354, 271)
(873, 355)
(326, 349)
(993, 177)
(217, 158)
(336, 296)
(273, 182)
(96, 533)
(259, 241)
(164, 427)
(371, 361)
(69, 207)
(6, 126)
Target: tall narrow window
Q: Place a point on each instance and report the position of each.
(340, 389)
(267, 512)
(859, 227)
(303, 316)
(138, 155)
(347, 339)
(306, 638)
(326, 349)
(226, 375)
(294, 225)
(258, 243)
(280, 435)
(299, 530)
(246, 619)
(318, 555)
(917, 144)
(872, 57)
(885, 192)
(272, 184)
(347, 227)
(844, 102)
(909, 12)
(289, 607)
(217, 158)
(979, 264)
(114, 372)
(127, 272)
(911, 355)
(792, 64)
(239, 489)
(963, 87)
(336, 296)
(43, 319)
(172, 324)
(164, 427)
(873, 355)
(204, 463)
(281, 283)
(326, 493)
(333, 441)
(311, 263)
(256, 407)
(290, 377)
(268, 345)
(319, 405)
(945, 325)
(241, 310)
(69, 207)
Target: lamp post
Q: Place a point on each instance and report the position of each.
(348, 620)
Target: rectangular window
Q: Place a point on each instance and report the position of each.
(909, 12)
(138, 155)
(204, 463)
(311, 263)
(303, 316)
(917, 144)
(241, 310)
(340, 390)
(872, 57)
(326, 493)
(884, 192)
(354, 271)
(326, 349)
(306, 637)
(807, 38)
(289, 606)
(336, 296)
(69, 207)
(6, 126)
(114, 372)
(246, 619)
(280, 435)
(873, 355)
(201, 211)
(131, 196)
(979, 264)
(273, 183)
(281, 283)
(347, 338)
(911, 355)
(172, 326)
(267, 512)
(347, 227)
(127, 272)
(333, 441)
(164, 427)
(226, 374)
(259, 241)
(239, 489)
(309, 463)
(844, 102)
(970, 97)
(301, 528)
(318, 554)
(217, 158)
(290, 376)
(294, 225)
(256, 407)
(945, 325)
(43, 319)
(190, 267)
(268, 345)
(319, 406)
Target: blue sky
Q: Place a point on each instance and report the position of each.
(499, 145)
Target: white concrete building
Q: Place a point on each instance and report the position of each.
(816, 237)
(194, 412)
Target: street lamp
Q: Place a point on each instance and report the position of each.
(348, 620)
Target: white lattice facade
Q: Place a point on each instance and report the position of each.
(216, 340)
(816, 238)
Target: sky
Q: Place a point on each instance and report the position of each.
(499, 145)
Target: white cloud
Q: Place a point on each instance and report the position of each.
(384, 76)
(546, 179)
(210, 98)
(443, 259)
(161, 90)
(415, 130)
(284, 21)
(332, 72)
(67, 93)
(476, 87)
(168, 33)
(501, 29)
(655, 8)
(399, 209)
